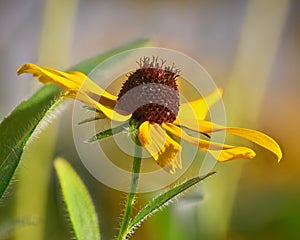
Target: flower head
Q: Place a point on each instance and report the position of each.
(154, 89)
(149, 98)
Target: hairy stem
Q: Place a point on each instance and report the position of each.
(124, 230)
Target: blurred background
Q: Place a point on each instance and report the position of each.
(250, 48)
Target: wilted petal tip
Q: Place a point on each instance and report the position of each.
(22, 69)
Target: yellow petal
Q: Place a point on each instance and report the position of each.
(78, 85)
(199, 108)
(174, 164)
(221, 152)
(200, 143)
(232, 153)
(257, 137)
(198, 125)
(72, 80)
(108, 112)
(144, 136)
(163, 149)
(46, 75)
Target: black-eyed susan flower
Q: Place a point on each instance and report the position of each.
(149, 98)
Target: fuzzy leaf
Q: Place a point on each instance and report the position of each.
(78, 202)
(92, 119)
(108, 133)
(162, 200)
(16, 129)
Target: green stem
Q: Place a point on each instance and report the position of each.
(124, 230)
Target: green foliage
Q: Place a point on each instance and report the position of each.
(108, 133)
(78, 202)
(162, 200)
(16, 129)
(91, 119)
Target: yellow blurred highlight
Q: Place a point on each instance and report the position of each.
(242, 96)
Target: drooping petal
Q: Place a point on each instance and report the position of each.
(199, 108)
(78, 86)
(200, 143)
(232, 153)
(108, 112)
(47, 75)
(196, 125)
(221, 152)
(163, 148)
(71, 80)
(257, 137)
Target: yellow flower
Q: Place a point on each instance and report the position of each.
(150, 97)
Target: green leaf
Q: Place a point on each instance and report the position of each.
(163, 200)
(16, 129)
(78, 202)
(92, 119)
(108, 132)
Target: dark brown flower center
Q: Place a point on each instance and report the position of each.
(150, 93)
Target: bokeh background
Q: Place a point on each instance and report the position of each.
(251, 48)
